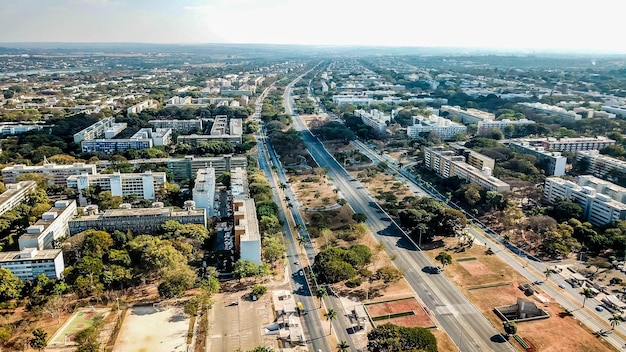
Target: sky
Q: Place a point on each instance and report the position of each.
(590, 26)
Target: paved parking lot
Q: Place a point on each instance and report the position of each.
(239, 326)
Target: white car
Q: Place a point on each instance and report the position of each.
(562, 286)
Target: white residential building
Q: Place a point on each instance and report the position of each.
(15, 194)
(142, 139)
(183, 126)
(143, 185)
(10, 129)
(31, 262)
(615, 109)
(553, 110)
(247, 236)
(554, 162)
(447, 164)
(602, 201)
(138, 108)
(574, 144)
(444, 128)
(56, 174)
(468, 116)
(204, 190)
(485, 127)
(51, 226)
(374, 118)
(94, 131)
(600, 165)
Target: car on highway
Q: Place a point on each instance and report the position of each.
(599, 308)
(562, 286)
(296, 262)
(301, 273)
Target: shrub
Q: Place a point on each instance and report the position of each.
(354, 282)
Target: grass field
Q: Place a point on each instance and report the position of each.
(82, 319)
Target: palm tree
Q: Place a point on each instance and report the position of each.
(301, 242)
(321, 293)
(547, 273)
(282, 186)
(331, 315)
(298, 227)
(289, 205)
(586, 293)
(444, 258)
(343, 346)
(615, 320)
(287, 199)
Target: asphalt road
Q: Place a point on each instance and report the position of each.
(316, 337)
(467, 327)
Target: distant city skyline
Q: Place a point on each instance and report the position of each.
(523, 25)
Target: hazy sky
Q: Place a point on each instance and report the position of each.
(538, 24)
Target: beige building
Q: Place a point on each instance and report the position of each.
(56, 174)
(15, 194)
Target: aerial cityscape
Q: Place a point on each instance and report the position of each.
(228, 176)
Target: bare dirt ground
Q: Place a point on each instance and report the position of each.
(147, 328)
(557, 333)
(419, 318)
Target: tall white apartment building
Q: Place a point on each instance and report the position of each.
(51, 226)
(468, 116)
(238, 181)
(600, 165)
(56, 174)
(555, 163)
(602, 201)
(374, 118)
(485, 127)
(138, 108)
(444, 128)
(204, 190)
(574, 144)
(31, 262)
(94, 131)
(15, 194)
(447, 164)
(183, 126)
(143, 185)
(553, 110)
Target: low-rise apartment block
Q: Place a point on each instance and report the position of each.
(182, 126)
(144, 105)
(137, 220)
(56, 174)
(602, 201)
(31, 262)
(447, 164)
(615, 109)
(222, 130)
(468, 116)
(601, 165)
(444, 128)
(15, 194)
(474, 158)
(486, 127)
(143, 185)
(554, 111)
(574, 144)
(12, 129)
(247, 236)
(142, 139)
(554, 162)
(51, 226)
(374, 118)
(94, 131)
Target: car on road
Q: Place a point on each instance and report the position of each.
(296, 262)
(233, 303)
(599, 308)
(301, 273)
(562, 286)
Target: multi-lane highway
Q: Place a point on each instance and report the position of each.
(316, 337)
(467, 327)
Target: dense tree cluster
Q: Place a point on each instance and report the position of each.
(336, 264)
(389, 337)
(430, 217)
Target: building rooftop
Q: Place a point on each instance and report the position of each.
(29, 253)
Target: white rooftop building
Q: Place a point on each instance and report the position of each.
(143, 185)
(444, 128)
(374, 118)
(204, 190)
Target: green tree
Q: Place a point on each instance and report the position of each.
(106, 200)
(96, 243)
(259, 290)
(359, 217)
(176, 280)
(586, 293)
(331, 315)
(302, 242)
(10, 285)
(244, 268)
(547, 273)
(343, 346)
(39, 339)
(445, 258)
(615, 320)
(320, 293)
(273, 248)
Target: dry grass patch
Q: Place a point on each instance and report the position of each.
(378, 183)
(313, 191)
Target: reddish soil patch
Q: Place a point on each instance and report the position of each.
(407, 305)
(475, 267)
